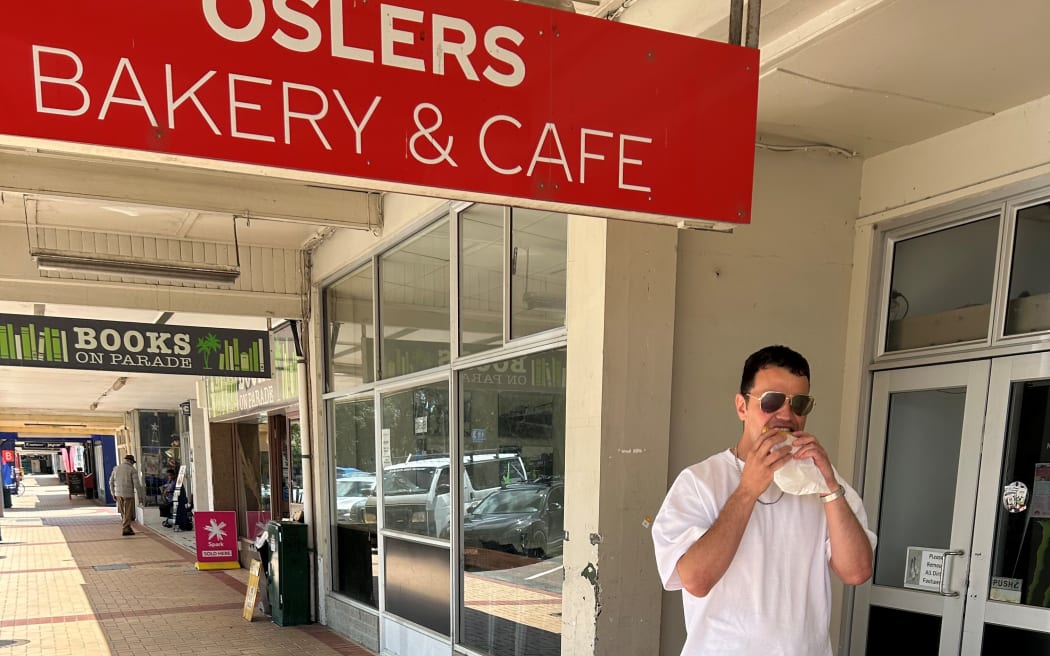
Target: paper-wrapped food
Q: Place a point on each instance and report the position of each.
(799, 476)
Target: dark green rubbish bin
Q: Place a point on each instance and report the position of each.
(288, 584)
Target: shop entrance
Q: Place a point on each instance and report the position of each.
(958, 488)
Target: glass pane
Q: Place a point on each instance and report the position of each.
(414, 302)
(415, 443)
(513, 440)
(1029, 305)
(941, 286)
(1021, 563)
(892, 631)
(924, 428)
(537, 283)
(251, 449)
(295, 476)
(481, 278)
(356, 568)
(159, 449)
(417, 583)
(998, 640)
(350, 332)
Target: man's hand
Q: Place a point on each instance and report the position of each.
(808, 447)
(762, 461)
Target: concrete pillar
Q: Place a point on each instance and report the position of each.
(197, 455)
(620, 322)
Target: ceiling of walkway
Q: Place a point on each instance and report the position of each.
(870, 76)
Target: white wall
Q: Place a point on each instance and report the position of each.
(783, 279)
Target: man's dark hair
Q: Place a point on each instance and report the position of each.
(772, 356)
(171, 471)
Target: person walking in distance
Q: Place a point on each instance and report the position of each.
(124, 483)
(750, 545)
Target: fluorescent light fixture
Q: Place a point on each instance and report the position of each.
(117, 266)
(52, 425)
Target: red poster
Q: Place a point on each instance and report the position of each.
(257, 520)
(8, 456)
(485, 100)
(216, 535)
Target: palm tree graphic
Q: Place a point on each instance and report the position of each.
(206, 346)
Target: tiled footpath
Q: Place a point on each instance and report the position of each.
(70, 584)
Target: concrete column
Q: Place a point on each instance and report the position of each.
(198, 455)
(620, 321)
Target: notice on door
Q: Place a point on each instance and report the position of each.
(1041, 490)
(924, 569)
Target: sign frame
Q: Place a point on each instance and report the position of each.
(581, 115)
(97, 345)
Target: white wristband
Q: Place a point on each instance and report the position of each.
(837, 494)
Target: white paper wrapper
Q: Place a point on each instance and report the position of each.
(800, 476)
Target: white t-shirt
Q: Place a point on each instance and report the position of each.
(775, 598)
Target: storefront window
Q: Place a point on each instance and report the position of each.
(537, 267)
(159, 444)
(253, 464)
(481, 278)
(356, 568)
(511, 418)
(414, 303)
(350, 333)
(415, 453)
(513, 428)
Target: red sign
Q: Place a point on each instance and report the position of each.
(8, 456)
(483, 99)
(216, 535)
(257, 520)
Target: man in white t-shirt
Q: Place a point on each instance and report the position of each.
(751, 560)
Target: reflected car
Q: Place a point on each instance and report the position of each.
(350, 494)
(524, 518)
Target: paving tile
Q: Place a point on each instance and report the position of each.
(70, 584)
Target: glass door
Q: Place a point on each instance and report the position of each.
(958, 477)
(923, 464)
(1008, 604)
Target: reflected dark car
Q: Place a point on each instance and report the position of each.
(524, 518)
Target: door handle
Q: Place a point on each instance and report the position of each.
(944, 571)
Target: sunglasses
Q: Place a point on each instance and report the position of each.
(770, 402)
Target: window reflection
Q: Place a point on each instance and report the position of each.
(941, 286)
(481, 278)
(414, 303)
(356, 567)
(1029, 305)
(253, 463)
(415, 443)
(513, 440)
(538, 255)
(350, 331)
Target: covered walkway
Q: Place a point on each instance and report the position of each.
(71, 584)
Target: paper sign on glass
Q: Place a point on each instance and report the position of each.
(924, 569)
